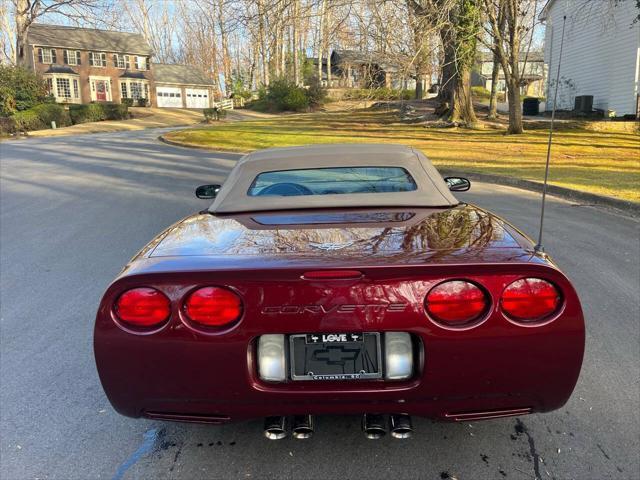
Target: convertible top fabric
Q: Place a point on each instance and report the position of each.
(432, 190)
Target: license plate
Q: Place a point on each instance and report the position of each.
(335, 356)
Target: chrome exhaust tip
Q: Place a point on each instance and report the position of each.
(401, 426)
(275, 428)
(373, 426)
(302, 427)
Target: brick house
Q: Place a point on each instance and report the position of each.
(83, 65)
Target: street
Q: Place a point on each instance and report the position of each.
(73, 210)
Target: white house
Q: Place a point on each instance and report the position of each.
(601, 55)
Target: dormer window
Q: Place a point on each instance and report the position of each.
(47, 55)
(98, 59)
(121, 61)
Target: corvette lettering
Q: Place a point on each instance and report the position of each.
(343, 308)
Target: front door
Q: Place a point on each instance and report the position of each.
(101, 90)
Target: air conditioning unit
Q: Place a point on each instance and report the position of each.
(584, 103)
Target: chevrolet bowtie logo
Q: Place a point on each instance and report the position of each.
(336, 355)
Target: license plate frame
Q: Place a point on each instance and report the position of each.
(335, 341)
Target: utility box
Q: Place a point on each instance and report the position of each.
(584, 104)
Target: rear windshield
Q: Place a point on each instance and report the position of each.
(332, 181)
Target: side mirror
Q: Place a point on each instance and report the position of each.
(458, 184)
(207, 191)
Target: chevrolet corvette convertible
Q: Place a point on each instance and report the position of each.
(343, 279)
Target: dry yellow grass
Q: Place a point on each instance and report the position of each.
(605, 161)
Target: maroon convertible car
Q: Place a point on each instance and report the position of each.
(343, 279)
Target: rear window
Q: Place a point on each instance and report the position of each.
(332, 181)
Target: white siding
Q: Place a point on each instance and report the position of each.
(601, 53)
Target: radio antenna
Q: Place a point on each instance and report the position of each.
(539, 248)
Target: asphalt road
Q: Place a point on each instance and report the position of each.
(74, 210)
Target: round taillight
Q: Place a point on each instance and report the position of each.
(143, 307)
(213, 306)
(456, 303)
(530, 300)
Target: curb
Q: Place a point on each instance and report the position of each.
(566, 193)
(626, 206)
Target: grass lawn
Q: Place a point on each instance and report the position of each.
(602, 162)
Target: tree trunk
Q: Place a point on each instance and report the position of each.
(515, 108)
(263, 44)
(419, 90)
(22, 28)
(493, 98)
(448, 69)
(296, 65)
(321, 39)
(461, 104)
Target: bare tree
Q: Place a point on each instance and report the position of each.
(509, 24)
(7, 40)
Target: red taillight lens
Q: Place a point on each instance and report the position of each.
(530, 299)
(213, 306)
(143, 307)
(456, 302)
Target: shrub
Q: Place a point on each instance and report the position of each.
(142, 102)
(296, 100)
(51, 112)
(480, 92)
(215, 113)
(281, 95)
(315, 93)
(7, 125)
(381, 93)
(127, 101)
(115, 111)
(27, 120)
(96, 112)
(20, 89)
(92, 112)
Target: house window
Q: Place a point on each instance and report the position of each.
(141, 63)
(121, 61)
(72, 57)
(47, 55)
(98, 59)
(64, 88)
(123, 90)
(136, 90)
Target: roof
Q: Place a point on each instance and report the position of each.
(382, 60)
(431, 189)
(179, 74)
(87, 39)
(535, 56)
(130, 74)
(61, 69)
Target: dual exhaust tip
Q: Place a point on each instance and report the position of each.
(374, 426)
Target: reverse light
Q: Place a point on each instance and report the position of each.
(530, 300)
(456, 303)
(398, 351)
(143, 307)
(213, 306)
(271, 362)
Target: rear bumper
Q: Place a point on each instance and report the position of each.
(188, 379)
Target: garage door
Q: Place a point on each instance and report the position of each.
(169, 97)
(197, 98)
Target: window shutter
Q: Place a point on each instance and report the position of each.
(147, 63)
(115, 60)
(65, 57)
(127, 63)
(103, 57)
(40, 55)
(78, 57)
(53, 56)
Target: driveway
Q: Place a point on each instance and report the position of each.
(73, 210)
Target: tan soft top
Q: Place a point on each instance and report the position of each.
(432, 191)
